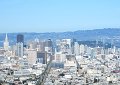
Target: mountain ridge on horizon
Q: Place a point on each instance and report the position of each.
(82, 35)
(64, 31)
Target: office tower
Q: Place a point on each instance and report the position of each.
(88, 51)
(82, 49)
(49, 49)
(6, 43)
(48, 43)
(64, 45)
(41, 46)
(72, 45)
(32, 44)
(58, 46)
(20, 44)
(60, 57)
(76, 49)
(32, 56)
(42, 57)
(48, 46)
(20, 49)
(20, 38)
(67, 42)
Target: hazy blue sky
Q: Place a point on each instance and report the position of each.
(58, 15)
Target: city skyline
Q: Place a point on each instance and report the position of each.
(58, 16)
(59, 42)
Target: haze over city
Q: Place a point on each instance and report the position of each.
(59, 42)
(58, 15)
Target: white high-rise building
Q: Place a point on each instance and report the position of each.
(6, 43)
(65, 45)
(76, 49)
(20, 49)
(82, 49)
(88, 51)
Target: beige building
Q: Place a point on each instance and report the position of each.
(60, 57)
(32, 56)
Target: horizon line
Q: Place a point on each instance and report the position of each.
(60, 31)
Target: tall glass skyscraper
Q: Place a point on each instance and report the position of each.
(20, 45)
(20, 38)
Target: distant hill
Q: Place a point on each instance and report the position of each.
(81, 35)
